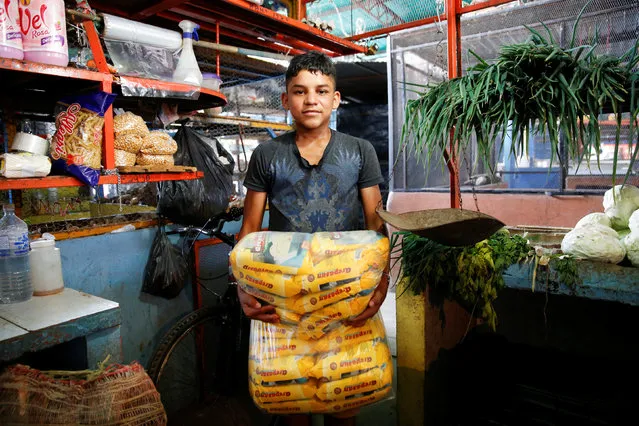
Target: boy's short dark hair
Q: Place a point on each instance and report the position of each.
(312, 61)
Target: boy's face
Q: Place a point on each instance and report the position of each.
(311, 97)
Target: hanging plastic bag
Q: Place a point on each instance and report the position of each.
(166, 269)
(194, 202)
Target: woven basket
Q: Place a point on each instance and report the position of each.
(116, 395)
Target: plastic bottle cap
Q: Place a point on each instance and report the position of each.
(40, 243)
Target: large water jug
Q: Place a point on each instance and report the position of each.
(15, 280)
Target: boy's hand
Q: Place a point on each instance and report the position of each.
(254, 310)
(379, 295)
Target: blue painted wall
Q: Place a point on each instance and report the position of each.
(112, 266)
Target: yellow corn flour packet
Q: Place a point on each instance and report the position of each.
(306, 406)
(313, 301)
(327, 244)
(278, 393)
(279, 284)
(339, 311)
(279, 252)
(358, 401)
(371, 380)
(280, 369)
(262, 295)
(287, 317)
(267, 331)
(347, 336)
(362, 356)
(275, 348)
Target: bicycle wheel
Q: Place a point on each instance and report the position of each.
(198, 383)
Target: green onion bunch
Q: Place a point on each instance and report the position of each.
(536, 86)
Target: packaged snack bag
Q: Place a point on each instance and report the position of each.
(372, 380)
(279, 393)
(278, 252)
(264, 371)
(362, 356)
(76, 147)
(348, 336)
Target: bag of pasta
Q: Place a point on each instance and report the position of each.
(349, 368)
(76, 147)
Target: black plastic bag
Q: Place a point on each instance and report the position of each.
(166, 269)
(193, 202)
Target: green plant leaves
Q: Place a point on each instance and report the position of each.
(533, 87)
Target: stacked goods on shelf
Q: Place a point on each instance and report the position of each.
(312, 362)
(135, 144)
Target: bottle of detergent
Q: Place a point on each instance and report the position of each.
(187, 70)
(44, 31)
(10, 37)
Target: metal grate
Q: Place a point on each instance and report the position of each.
(414, 54)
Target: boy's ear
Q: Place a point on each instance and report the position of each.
(337, 98)
(285, 100)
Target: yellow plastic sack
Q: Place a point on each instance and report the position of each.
(277, 252)
(279, 393)
(264, 296)
(282, 285)
(317, 323)
(362, 356)
(290, 375)
(314, 301)
(347, 336)
(372, 380)
(265, 370)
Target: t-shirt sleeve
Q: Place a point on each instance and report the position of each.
(370, 173)
(257, 174)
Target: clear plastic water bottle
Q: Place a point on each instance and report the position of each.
(15, 279)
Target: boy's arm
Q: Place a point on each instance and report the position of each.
(254, 206)
(371, 199)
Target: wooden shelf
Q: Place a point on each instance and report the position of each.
(64, 181)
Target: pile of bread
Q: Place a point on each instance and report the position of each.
(312, 362)
(136, 145)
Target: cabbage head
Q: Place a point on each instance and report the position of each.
(632, 247)
(591, 218)
(595, 242)
(619, 203)
(633, 222)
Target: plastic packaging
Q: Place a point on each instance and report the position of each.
(116, 28)
(44, 32)
(150, 89)
(46, 267)
(166, 268)
(311, 362)
(211, 81)
(159, 143)
(10, 37)
(15, 279)
(194, 202)
(27, 142)
(142, 60)
(76, 147)
(187, 70)
(24, 164)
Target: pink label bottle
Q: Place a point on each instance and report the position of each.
(44, 31)
(10, 37)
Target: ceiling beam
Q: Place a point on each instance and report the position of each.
(154, 9)
(227, 32)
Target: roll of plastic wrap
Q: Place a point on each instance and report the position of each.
(121, 29)
(30, 143)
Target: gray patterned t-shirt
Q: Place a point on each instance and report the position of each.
(313, 198)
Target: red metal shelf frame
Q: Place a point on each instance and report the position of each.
(106, 81)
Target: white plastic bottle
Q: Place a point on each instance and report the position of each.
(10, 37)
(187, 70)
(15, 279)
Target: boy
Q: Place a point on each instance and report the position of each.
(314, 179)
